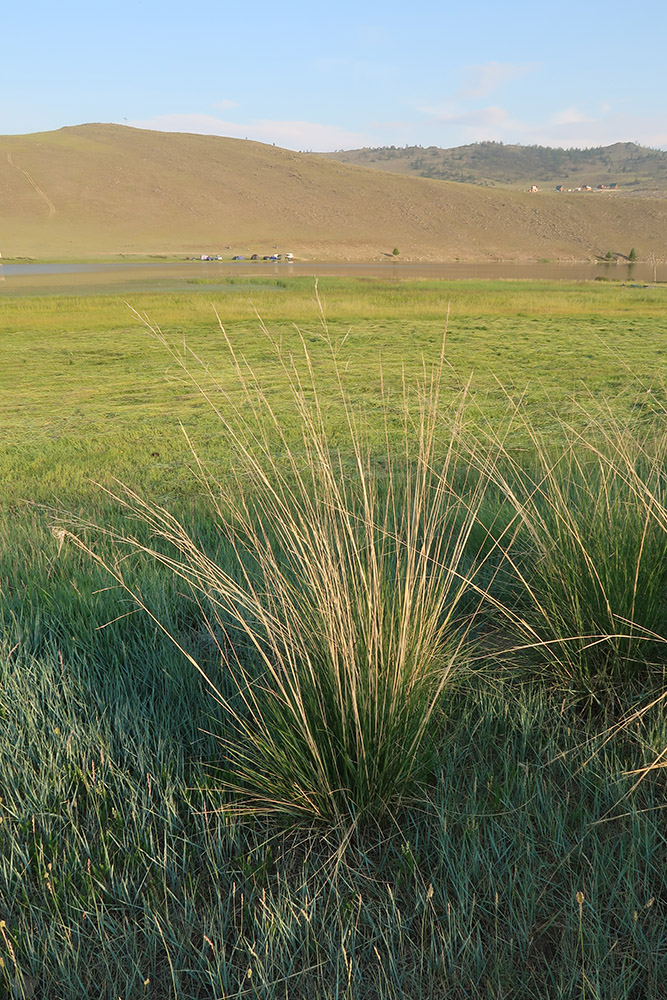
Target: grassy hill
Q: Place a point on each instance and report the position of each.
(98, 190)
(633, 168)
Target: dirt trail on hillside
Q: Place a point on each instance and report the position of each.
(31, 180)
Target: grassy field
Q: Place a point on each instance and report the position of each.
(87, 392)
(513, 851)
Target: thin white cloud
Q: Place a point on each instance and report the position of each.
(491, 117)
(603, 131)
(225, 105)
(477, 125)
(570, 116)
(290, 134)
(454, 125)
(485, 79)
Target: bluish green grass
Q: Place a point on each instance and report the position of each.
(528, 859)
(117, 865)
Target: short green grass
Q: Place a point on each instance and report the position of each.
(85, 391)
(121, 872)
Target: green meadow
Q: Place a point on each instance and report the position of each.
(86, 392)
(332, 660)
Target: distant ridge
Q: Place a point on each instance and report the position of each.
(635, 169)
(98, 190)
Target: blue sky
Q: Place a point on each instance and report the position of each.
(321, 76)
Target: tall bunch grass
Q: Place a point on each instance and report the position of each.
(629, 456)
(590, 553)
(346, 608)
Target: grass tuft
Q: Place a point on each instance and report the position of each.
(589, 552)
(347, 607)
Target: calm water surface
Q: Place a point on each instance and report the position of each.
(97, 278)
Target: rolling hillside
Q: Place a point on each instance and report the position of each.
(98, 190)
(633, 168)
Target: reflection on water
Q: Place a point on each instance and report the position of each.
(94, 278)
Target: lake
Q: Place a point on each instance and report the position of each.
(119, 276)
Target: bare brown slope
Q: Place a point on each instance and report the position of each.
(104, 189)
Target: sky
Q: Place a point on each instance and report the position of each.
(321, 76)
